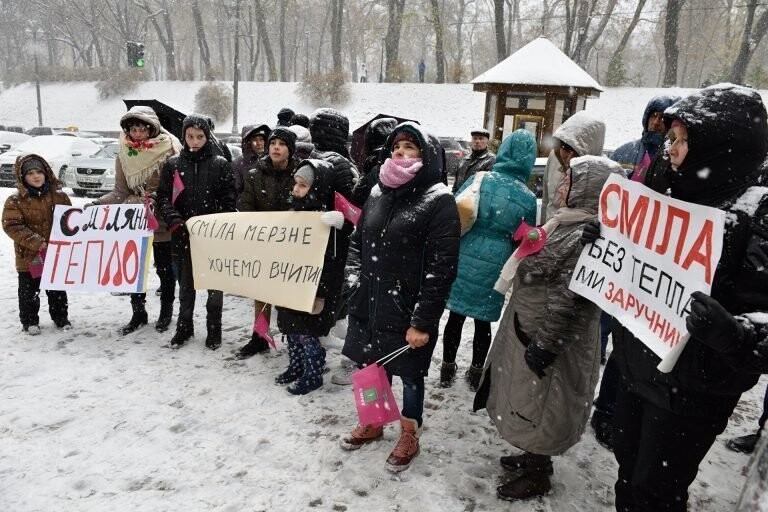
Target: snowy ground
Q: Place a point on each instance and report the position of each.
(90, 421)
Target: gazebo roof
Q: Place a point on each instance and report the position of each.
(538, 63)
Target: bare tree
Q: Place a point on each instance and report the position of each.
(439, 49)
(498, 25)
(262, 25)
(750, 40)
(337, 22)
(459, 63)
(164, 32)
(202, 42)
(281, 43)
(671, 51)
(395, 10)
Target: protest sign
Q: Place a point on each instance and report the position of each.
(653, 253)
(99, 249)
(274, 257)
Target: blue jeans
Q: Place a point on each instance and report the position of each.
(413, 397)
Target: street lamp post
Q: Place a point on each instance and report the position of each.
(306, 54)
(381, 62)
(236, 77)
(37, 79)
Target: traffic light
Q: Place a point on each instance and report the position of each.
(139, 55)
(135, 54)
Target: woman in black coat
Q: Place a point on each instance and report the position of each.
(665, 423)
(404, 254)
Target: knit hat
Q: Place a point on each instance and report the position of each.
(307, 173)
(301, 120)
(302, 134)
(285, 135)
(32, 163)
(284, 117)
(406, 134)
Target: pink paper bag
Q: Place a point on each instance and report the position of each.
(36, 267)
(178, 187)
(374, 400)
(152, 223)
(350, 211)
(261, 327)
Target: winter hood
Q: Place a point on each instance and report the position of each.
(329, 129)
(50, 178)
(431, 157)
(657, 104)
(583, 132)
(320, 192)
(516, 155)
(145, 115)
(588, 174)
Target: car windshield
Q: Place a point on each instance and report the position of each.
(108, 151)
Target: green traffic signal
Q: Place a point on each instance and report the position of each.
(140, 63)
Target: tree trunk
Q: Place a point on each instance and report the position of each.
(569, 24)
(337, 22)
(395, 9)
(262, 25)
(498, 24)
(616, 57)
(586, 50)
(281, 43)
(749, 42)
(439, 50)
(458, 68)
(671, 50)
(353, 45)
(202, 43)
(583, 20)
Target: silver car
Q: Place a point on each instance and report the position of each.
(94, 175)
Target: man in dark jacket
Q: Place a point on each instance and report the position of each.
(208, 187)
(635, 156)
(253, 145)
(665, 423)
(481, 159)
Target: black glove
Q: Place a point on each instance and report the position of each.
(179, 237)
(712, 325)
(538, 359)
(757, 252)
(590, 233)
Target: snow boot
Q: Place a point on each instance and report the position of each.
(32, 330)
(343, 376)
(295, 363)
(166, 315)
(523, 461)
(314, 365)
(743, 444)
(138, 320)
(181, 337)
(257, 345)
(474, 374)
(447, 374)
(363, 434)
(531, 482)
(407, 447)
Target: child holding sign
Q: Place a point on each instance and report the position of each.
(27, 219)
(312, 191)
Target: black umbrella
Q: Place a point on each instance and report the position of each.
(358, 138)
(170, 118)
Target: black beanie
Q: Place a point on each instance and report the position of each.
(32, 163)
(285, 135)
(301, 120)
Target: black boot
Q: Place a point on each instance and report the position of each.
(447, 374)
(743, 444)
(181, 337)
(523, 461)
(166, 315)
(213, 340)
(528, 483)
(139, 317)
(474, 374)
(314, 365)
(257, 345)
(295, 363)
(602, 424)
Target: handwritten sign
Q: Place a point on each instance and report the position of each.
(274, 257)
(654, 252)
(100, 249)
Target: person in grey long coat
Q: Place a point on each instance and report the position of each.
(541, 372)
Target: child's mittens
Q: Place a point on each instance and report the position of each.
(333, 218)
(318, 306)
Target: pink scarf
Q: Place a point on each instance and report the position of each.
(395, 173)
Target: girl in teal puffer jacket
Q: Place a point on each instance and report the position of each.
(504, 202)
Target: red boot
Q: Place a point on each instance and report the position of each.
(407, 447)
(363, 434)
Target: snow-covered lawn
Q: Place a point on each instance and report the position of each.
(90, 421)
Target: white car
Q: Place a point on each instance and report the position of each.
(59, 152)
(93, 174)
(9, 140)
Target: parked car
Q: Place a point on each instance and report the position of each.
(454, 152)
(59, 152)
(94, 174)
(9, 140)
(36, 131)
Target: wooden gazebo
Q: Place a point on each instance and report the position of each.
(536, 88)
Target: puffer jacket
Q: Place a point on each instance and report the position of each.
(329, 129)
(267, 189)
(298, 322)
(471, 165)
(585, 134)
(124, 193)
(547, 415)
(403, 255)
(504, 201)
(243, 164)
(728, 135)
(28, 219)
(207, 178)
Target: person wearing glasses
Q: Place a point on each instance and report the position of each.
(144, 148)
